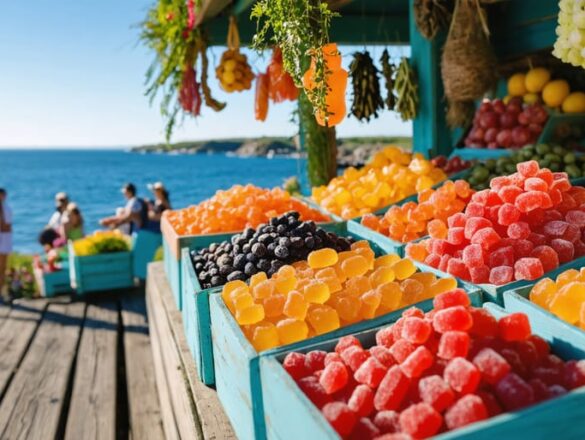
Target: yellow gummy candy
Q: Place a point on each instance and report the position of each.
(382, 275)
(322, 258)
(265, 336)
(566, 303)
(242, 301)
(403, 269)
(390, 295)
(264, 289)
(285, 285)
(257, 279)
(348, 308)
(273, 305)
(250, 315)
(370, 303)
(567, 277)
(323, 319)
(295, 306)
(291, 331)
(355, 266)
(543, 292)
(386, 260)
(441, 285)
(317, 292)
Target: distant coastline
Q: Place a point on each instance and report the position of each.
(351, 151)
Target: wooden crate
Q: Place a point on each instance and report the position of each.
(237, 370)
(495, 293)
(289, 414)
(51, 284)
(144, 247)
(93, 273)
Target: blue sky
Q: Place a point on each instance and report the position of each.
(72, 75)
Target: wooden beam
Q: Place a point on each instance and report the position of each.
(430, 133)
(241, 6)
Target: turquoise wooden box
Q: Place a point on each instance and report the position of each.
(495, 293)
(196, 313)
(480, 153)
(144, 247)
(51, 284)
(237, 371)
(93, 273)
(289, 414)
(517, 301)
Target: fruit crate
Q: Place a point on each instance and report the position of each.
(196, 309)
(51, 284)
(495, 293)
(144, 247)
(289, 414)
(467, 153)
(516, 300)
(93, 273)
(254, 410)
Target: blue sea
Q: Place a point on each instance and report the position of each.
(93, 179)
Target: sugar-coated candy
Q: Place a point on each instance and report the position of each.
(453, 344)
(453, 318)
(354, 356)
(313, 389)
(462, 375)
(416, 330)
(528, 269)
(392, 390)
(346, 342)
(451, 298)
(294, 364)
(315, 360)
(334, 377)
(468, 409)
(436, 392)
(417, 362)
(401, 349)
(340, 416)
(332, 357)
(420, 420)
(362, 400)
(371, 372)
(514, 392)
(387, 421)
(501, 275)
(364, 429)
(383, 355)
(514, 327)
(492, 365)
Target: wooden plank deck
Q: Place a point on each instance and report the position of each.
(195, 410)
(78, 370)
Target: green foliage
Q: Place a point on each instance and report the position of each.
(300, 28)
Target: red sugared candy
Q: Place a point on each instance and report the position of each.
(453, 318)
(370, 373)
(455, 297)
(294, 364)
(417, 362)
(462, 376)
(416, 330)
(362, 400)
(514, 392)
(392, 390)
(334, 377)
(340, 416)
(468, 409)
(436, 392)
(420, 420)
(492, 365)
(514, 327)
(453, 344)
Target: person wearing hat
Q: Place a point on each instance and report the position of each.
(135, 213)
(61, 202)
(161, 201)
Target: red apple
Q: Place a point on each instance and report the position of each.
(485, 106)
(488, 120)
(508, 120)
(540, 115)
(499, 106)
(523, 118)
(514, 107)
(504, 138)
(490, 135)
(492, 145)
(520, 136)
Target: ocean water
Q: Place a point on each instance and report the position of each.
(93, 179)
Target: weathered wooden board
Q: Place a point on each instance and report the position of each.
(15, 337)
(143, 405)
(32, 406)
(92, 413)
(210, 415)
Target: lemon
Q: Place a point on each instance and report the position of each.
(555, 92)
(574, 103)
(531, 98)
(536, 79)
(506, 99)
(516, 86)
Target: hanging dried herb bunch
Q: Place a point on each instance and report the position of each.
(300, 28)
(388, 73)
(406, 89)
(468, 63)
(366, 87)
(431, 16)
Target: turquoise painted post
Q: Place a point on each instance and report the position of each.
(430, 133)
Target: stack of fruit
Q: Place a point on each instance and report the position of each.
(450, 166)
(391, 175)
(554, 157)
(234, 73)
(536, 86)
(412, 220)
(238, 208)
(499, 125)
(564, 297)
(433, 372)
(325, 292)
(101, 242)
(282, 241)
(524, 226)
(570, 33)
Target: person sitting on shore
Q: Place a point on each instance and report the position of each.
(61, 202)
(160, 204)
(72, 223)
(52, 244)
(5, 236)
(135, 212)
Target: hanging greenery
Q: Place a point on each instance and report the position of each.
(300, 28)
(169, 30)
(406, 88)
(366, 87)
(388, 73)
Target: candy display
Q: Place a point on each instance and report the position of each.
(500, 125)
(554, 157)
(414, 220)
(238, 208)
(451, 165)
(283, 240)
(101, 242)
(564, 296)
(327, 291)
(525, 225)
(391, 175)
(433, 372)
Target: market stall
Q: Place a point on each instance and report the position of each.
(433, 292)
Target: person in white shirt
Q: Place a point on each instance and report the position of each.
(135, 213)
(5, 236)
(61, 202)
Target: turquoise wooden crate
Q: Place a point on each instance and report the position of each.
(236, 363)
(196, 313)
(51, 284)
(517, 301)
(173, 268)
(93, 273)
(144, 247)
(289, 414)
(495, 293)
(480, 153)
